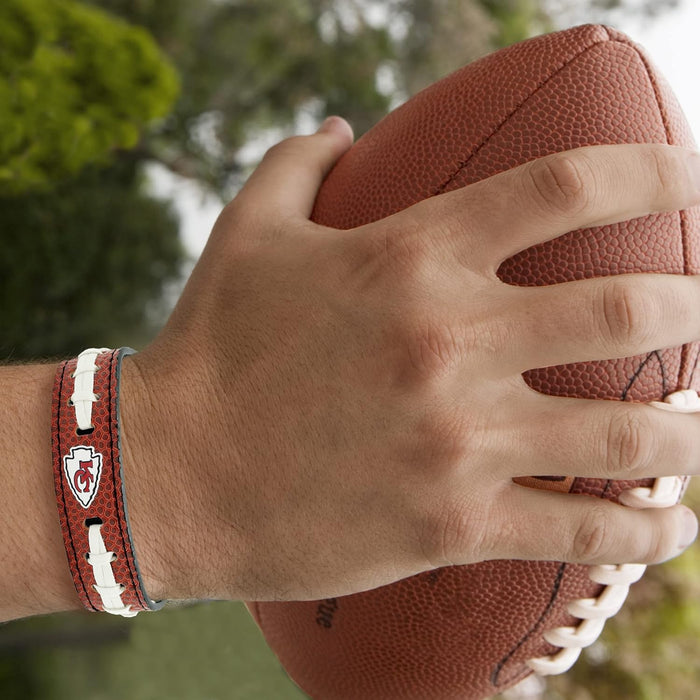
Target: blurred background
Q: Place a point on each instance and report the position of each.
(124, 127)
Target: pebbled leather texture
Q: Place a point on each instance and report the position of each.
(466, 632)
(108, 502)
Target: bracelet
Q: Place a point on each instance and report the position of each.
(89, 483)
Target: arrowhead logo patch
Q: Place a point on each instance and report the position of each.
(83, 468)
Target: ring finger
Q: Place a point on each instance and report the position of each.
(559, 436)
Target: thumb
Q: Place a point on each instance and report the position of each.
(289, 176)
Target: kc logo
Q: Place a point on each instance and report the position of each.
(83, 468)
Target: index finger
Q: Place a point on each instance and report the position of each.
(493, 219)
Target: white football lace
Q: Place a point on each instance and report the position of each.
(83, 396)
(98, 557)
(617, 579)
(108, 589)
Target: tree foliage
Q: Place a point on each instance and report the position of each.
(83, 264)
(443, 35)
(76, 84)
(251, 65)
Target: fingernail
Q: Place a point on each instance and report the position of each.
(689, 529)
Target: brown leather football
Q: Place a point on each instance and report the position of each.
(472, 631)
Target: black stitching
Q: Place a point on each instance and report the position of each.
(555, 592)
(498, 668)
(635, 376)
(63, 497)
(463, 164)
(686, 349)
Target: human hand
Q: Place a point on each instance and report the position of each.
(329, 411)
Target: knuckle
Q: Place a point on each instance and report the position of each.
(630, 446)
(394, 262)
(669, 175)
(457, 533)
(591, 539)
(433, 349)
(562, 184)
(448, 438)
(404, 252)
(627, 314)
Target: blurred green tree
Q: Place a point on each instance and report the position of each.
(84, 264)
(76, 84)
(252, 65)
(84, 253)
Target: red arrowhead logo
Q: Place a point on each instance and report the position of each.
(82, 469)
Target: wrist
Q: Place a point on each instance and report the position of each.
(142, 487)
(34, 577)
(183, 480)
(154, 497)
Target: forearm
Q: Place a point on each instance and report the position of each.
(34, 574)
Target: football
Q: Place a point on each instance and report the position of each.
(468, 632)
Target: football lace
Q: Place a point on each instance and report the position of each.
(616, 579)
(83, 394)
(108, 589)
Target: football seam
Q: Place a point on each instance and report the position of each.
(667, 130)
(440, 189)
(533, 630)
(686, 350)
(638, 371)
(495, 680)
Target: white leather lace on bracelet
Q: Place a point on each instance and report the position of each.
(594, 612)
(83, 395)
(98, 557)
(101, 561)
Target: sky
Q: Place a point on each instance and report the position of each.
(671, 41)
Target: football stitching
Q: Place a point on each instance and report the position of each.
(463, 164)
(63, 497)
(501, 664)
(604, 493)
(686, 349)
(642, 365)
